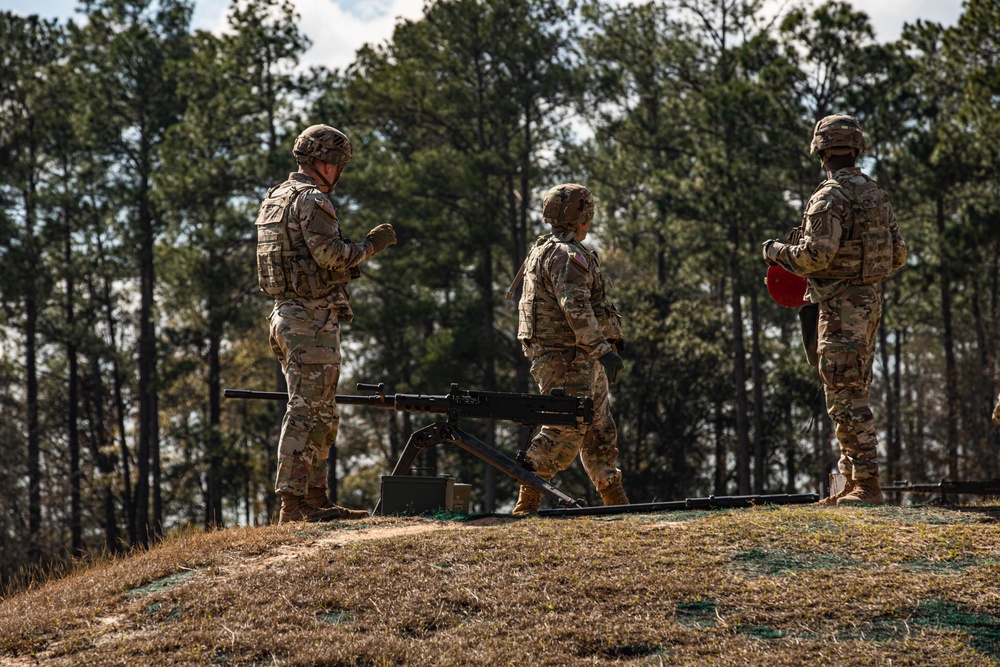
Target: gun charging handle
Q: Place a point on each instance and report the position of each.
(380, 388)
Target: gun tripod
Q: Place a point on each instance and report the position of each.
(448, 432)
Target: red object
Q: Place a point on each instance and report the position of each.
(787, 289)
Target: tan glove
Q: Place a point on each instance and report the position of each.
(381, 237)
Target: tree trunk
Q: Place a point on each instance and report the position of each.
(891, 454)
(739, 364)
(951, 372)
(75, 518)
(759, 455)
(31, 371)
(214, 514)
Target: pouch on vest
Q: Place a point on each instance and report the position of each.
(272, 243)
(526, 305)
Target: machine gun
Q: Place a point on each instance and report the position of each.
(948, 487)
(524, 409)
(710, 502)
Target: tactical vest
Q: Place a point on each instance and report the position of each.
(865, 254)
(558, 331)
(285, 268)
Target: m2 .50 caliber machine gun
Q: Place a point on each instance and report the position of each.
(523, 409)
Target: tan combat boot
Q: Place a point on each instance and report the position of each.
(831, 501)
(528, 501)
(295, 508)
(317, 498)
(866, 492)
(614, 495)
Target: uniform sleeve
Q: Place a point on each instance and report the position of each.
(821, 235)
(572, 282)
(898, 245)
(321, 231)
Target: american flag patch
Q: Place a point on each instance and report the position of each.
(580, 259)
(327, 206)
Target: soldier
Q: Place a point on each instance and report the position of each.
(849, 244)
(304, 262)
(569, 330)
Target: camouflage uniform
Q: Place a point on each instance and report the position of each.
(849, 243)
(566, 323)
(305, 262)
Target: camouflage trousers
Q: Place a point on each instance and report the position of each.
(554, 447)
(307, 343)
(848, 326)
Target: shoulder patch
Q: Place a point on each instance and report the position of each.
(579, 258)
(325, 204)
(818, 206)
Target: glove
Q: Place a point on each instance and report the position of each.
(381, 237)
(765, 250)
(613, 365)
(996, 411)
(619, 345)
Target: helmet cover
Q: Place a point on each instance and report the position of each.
(568, 206)
(838, 134)
(322, 142)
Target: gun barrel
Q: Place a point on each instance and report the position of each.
(262, 395)
(400, 402)
(519, 408)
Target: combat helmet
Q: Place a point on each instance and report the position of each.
(568, 206)
(322, 142)
(838, 134)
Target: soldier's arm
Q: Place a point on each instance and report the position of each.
(820, 236)
(321, 231)
(571, 285)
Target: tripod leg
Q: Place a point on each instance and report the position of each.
(419, 440)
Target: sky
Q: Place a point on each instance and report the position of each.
(338, 28)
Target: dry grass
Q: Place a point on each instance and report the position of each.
(764, 586)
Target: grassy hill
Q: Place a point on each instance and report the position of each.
(795, 585)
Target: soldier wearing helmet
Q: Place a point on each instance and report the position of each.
(572, 334)
(847, 246)
(304, 262)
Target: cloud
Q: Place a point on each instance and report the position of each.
(337, 33)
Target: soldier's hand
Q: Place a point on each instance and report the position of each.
(766, 251)
(619, 345)
(613, 365)
(382, 237)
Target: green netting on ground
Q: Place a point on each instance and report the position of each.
(769, 562)
(761, 632)
(983, 629)
(935, 515)
(166, 583)
(696, 613)
(945, 566)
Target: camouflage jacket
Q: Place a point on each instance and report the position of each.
(301, 252)
(848, 236)
(565, 301)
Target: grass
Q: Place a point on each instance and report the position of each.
(794, 585)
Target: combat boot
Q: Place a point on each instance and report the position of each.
(528, 501)
(831, 501)
(317, 498)
(866, 492)
(295, 508)
(614, 495)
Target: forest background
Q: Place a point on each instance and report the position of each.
(134, 151)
